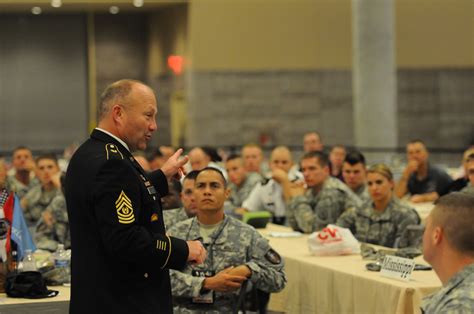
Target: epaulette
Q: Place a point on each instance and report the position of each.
(112, 151)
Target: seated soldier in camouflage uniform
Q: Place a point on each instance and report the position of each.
(337, 154)
(188, 210)
(22, 181)
(39, 197)
(205, 156)
(53, 227)
(253, 159)
(312, 142)
(354, 173)
(322, 201)
(240, 185)
(237, 252)
(449, 247)
(383, 219)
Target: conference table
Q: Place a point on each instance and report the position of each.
(341, 284)
(329, 284)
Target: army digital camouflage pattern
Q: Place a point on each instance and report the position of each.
(456, 297)
(310, 212)
(239, 194)
(332, 182)
(363, 193)
(233, 243)
(468, 189)
(37, 201)
(20, 189)
(173, 216)
(48, 237)
(381, 228)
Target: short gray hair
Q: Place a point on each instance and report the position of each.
(116, 91)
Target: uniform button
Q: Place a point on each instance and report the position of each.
(145, 275)
(154, 198)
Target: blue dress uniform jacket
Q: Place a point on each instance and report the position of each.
(120, 253)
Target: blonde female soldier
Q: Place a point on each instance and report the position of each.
(382, 219)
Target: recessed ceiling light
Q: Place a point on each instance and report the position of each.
(36, 10)
(114, 9)
(56, 3)
(138, 3)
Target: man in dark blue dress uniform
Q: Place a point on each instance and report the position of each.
(120, 251)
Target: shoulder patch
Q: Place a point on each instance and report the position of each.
(112, 151)
(123, 204)
(273, 257)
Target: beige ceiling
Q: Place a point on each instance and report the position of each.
(76, 6)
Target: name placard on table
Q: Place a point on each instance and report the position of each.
(397, 267)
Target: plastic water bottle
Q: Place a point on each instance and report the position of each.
(13, 267)
(29, 262)
(61, 262)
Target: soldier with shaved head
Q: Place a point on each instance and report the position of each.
(268, 194)
(448, 245)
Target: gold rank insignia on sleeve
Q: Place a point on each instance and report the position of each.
(113, 151)
(123, 204)
(161, 245)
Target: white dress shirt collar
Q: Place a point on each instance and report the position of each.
(115, 137)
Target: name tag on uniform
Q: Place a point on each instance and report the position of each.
(397, 267)
(204, 298)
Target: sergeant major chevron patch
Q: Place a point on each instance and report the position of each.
(123, 204)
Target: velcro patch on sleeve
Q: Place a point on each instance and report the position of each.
(273, 257)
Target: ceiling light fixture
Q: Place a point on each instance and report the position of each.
(56, 3)
(138, 3)
(36, 10)
(114, 9)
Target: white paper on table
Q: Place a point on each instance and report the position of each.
(287, 234)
